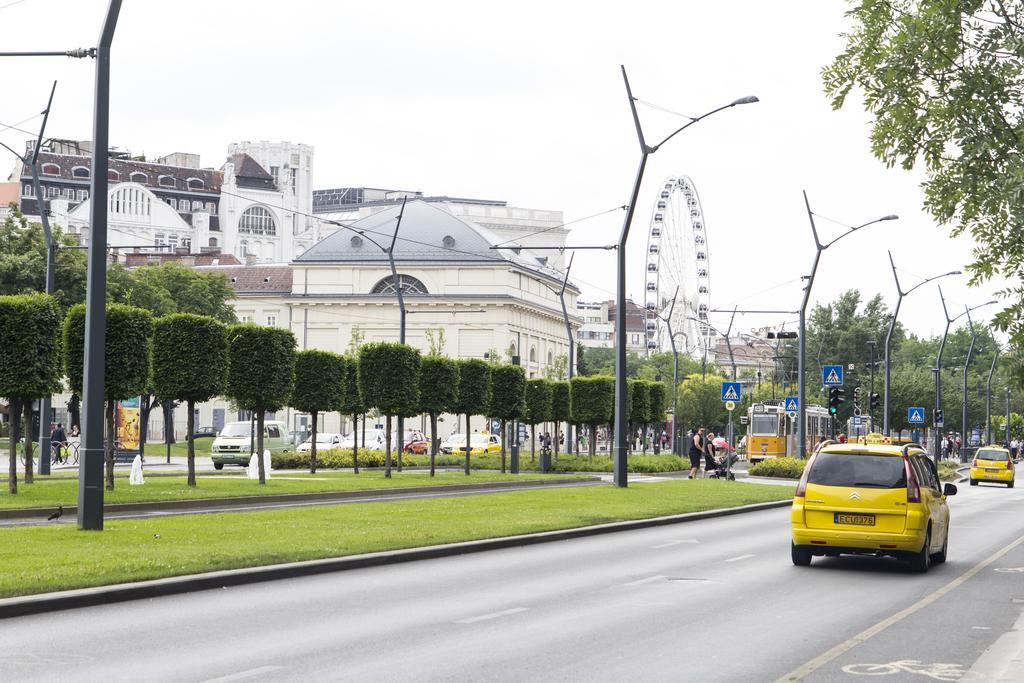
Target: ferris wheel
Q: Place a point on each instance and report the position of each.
(677, 260)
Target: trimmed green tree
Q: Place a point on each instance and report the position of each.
(439, 393)
(319, 387)
(190, 364)
(352, 403)
(538, 409)
(474, 395)
(656, 412)
(592, 399)
(508, 393)
(389, 381)
(29, 365)
(639, 409)
(129, 334)
(261, 374)
(561, 410)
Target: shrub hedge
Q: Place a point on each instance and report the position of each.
(783, 468)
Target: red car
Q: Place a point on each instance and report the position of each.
(416, 445)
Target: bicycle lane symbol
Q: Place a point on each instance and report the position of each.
(937, 671)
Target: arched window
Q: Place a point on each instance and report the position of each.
(113, 176)
(512, 350)
(51, 169)
(80, 172)
(139, 177)
(213, 241)
(550, 358)
(409, 284)
(257, 221)
(533, 354)
(166, 181)
(195, 184)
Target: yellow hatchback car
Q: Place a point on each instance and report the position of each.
(871, 499)
(992, 463)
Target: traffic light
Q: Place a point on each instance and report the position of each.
(835, 399)
(876, 401)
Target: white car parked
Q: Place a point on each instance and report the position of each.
(324, 442)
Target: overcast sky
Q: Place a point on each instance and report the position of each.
(522, 102)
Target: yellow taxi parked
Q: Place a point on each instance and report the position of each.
(992, 463)
(479, 444)
(871, 498)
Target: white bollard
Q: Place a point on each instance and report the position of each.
(254, 467)
(135, 478)
(266, 464)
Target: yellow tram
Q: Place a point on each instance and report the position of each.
(771, 433)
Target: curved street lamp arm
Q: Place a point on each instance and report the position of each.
(750, 99)
(934, 277)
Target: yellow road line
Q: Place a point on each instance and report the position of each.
(823, 659)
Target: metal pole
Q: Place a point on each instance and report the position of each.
(967, 362)
(401, 320)
(938, 378)
(571, 354)
(988, 397)
(888, 347)
(801, 426)
(620, 451)
(1007, 417)
(90, 474)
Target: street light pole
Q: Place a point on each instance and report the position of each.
(32, 162)
(90, 474)
(892, 326)
(620, 450)
(1007, 416)
(988, 397)
(801, 380)
(967, 363)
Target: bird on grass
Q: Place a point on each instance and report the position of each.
(56, 515)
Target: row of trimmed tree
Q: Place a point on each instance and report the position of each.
(191, 359)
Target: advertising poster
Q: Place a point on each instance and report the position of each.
(127, 420)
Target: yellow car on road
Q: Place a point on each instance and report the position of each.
(871, 499)
(992, 463)
(479, 444)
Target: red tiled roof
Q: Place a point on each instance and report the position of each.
(255, 279)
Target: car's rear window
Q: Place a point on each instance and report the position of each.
(848, 469)
(992, 454)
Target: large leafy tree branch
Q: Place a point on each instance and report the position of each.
(944, 81)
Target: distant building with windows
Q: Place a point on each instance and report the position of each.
(598, 330)
(242, 209)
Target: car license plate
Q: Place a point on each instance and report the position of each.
(860, 520)
(991, 469)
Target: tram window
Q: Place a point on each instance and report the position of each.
(764, 425)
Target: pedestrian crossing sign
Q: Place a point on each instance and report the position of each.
(832, 375)
(731, 391)
(915, 416)
(792, 404)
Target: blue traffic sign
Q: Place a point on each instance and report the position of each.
(939, 418)
(915, 416)
(792, 404)
(858, 421)
(832, 375)
(731, 391)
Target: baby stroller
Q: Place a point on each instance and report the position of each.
(720, 467)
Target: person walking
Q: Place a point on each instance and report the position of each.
(709, 454)
(58, 442)
(696, 451)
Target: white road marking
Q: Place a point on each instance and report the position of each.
(669, 544)
(242, 675)
(868, 633)
(737, 559)
(649, 579)
(982, 628)
(492, 615)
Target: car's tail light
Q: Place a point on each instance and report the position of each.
(913, 490)
(801, 487)
(974, 463)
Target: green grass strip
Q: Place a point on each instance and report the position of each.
(48, 493)
(48, 558)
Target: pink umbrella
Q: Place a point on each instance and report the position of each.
(719, 442)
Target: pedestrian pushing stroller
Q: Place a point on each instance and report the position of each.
(722, 467)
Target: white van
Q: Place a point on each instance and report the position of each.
(234, 443)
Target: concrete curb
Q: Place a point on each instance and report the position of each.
(243, 501)
(103, 595)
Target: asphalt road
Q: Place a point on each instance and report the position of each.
(716, 600)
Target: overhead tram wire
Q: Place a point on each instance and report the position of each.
(12, 4)
(555, 227)
(14, 126)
